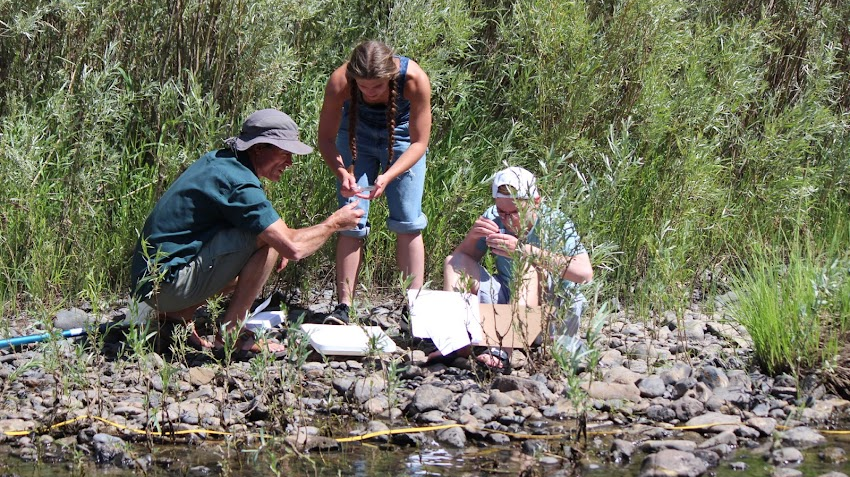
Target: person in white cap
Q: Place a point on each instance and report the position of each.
(215, 231)
(519, 223)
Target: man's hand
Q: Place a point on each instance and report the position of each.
(502, 244)
(347, 217)
(282, 264)
(483, 227)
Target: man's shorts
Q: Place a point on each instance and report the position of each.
(217, 264)
(493, 289)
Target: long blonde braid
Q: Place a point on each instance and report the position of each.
(352, 123)
(391, 111)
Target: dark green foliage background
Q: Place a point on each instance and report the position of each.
(679, 133)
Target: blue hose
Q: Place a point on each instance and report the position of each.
(22, 340)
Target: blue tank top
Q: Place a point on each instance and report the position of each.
(375, 115)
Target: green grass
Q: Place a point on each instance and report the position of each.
(795, 307)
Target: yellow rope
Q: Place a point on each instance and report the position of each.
(370, 435)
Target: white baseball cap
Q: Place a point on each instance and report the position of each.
(520, 180)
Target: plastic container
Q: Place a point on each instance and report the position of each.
(264, 320)
(348, 340)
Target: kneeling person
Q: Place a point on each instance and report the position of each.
(215, 231)
(520, 223)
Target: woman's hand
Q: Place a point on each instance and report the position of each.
(375, 190)
(347, 184)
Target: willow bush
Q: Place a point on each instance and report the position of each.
(674, 129)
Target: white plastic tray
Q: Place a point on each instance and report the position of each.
(350, 340)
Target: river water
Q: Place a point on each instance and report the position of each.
(369, 459)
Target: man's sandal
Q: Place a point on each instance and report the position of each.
(247, 347)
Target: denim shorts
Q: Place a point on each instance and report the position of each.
(217, 264)
(493, 289)
(404, 194)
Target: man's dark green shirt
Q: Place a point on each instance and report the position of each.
(219, 191)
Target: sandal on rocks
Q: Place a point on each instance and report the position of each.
(247, 347)
(500, 365)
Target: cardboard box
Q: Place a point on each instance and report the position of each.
(510, 326)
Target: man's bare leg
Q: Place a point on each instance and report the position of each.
(461, 273)
(253, 276)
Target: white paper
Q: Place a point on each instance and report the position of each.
(451, 320)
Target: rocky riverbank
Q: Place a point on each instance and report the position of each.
(677, 392)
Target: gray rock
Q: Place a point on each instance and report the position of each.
(675, 444)
(378, 426)
(695, 331)
(72, 318)
(562, 409)
(500, 399)
(534, 447)
(710, 456)
(687, 408)
(738, 465)
(453, 436)
(679, 372)
(535, 392)
(621, 375)
(651, 387)
(833, 455)
(610, 391)
(727, 437)
(108, 448)
(765, 425)
(833, 474)
(622, 451)
(659, 413)
(434, 416)
(680, 388)
(786, 455)
(672, 463)
(785, 472)
(342, 384)
(367, 388)
(714, 377)
(802, 437)
(715, 422)
(429, 397)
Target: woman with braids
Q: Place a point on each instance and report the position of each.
(373, 131)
